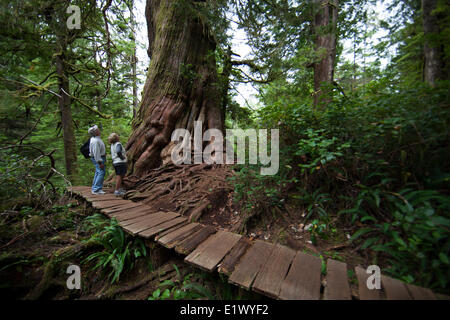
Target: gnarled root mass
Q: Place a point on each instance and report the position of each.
(190, 190)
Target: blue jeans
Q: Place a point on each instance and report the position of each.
(97, 183)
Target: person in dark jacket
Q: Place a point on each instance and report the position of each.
(119, 160)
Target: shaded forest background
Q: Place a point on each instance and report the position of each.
(364, 138)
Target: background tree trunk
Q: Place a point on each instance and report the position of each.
(134, 59)
(432, 48)
(325, 23)
(64, 102)
(181, 85)
(227, 68)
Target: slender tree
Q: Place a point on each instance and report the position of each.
(433, 54)
(325, 29)
(56, 17)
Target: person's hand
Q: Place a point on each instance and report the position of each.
(101, 165)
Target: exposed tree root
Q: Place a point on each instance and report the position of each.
(190, 190)
(167, 271)
(53, 267)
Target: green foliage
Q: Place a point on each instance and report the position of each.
(258, 193)
(320, 229)
(23, 179)
(320, 149)
(257, 190)
(411, 227)
(353, 157)
(99, 76)
(315, 203)
(181, 288)
(119, 253)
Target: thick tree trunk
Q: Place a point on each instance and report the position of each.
(325, 22)
(181, 85)
(432, 49)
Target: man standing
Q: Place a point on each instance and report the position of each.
(97, 152)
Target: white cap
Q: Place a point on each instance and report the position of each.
(92, 129)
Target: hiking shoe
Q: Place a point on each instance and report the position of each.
(119, 193)
(98, 192)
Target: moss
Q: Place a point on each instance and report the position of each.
(34, 222)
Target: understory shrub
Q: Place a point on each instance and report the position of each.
(378, 159)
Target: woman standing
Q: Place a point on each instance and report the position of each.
(119, 161)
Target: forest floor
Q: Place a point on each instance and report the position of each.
(37, 246)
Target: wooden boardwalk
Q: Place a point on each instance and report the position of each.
(270, 269)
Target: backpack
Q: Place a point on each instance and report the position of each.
(85, 149)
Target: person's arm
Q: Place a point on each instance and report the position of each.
(119, 151)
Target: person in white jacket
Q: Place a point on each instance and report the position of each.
(97, 152)
(119, 160)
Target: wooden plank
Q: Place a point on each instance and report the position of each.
(151, 221)
(137, 219)
(364, 292)
(78, 189)
(173, 229)
(233, 257)
(337, 287)
(303, 279)
(103, 197)
(161, 227)
(122, 212)
(395, 289)
(169, 240)
(125, 207)
(441, 296)
(82, 188)
(419, 293)
(208, 255)
(193, 241)
(250, 264)
(269, 279)
(108, 204)
(85, 193)
(131, 214)
(117, 205)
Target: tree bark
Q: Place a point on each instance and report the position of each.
(64, 102)
(226, 81)
(181, 85)
(432, 49)
(325, 24)
(61, 31)
(134, 60)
